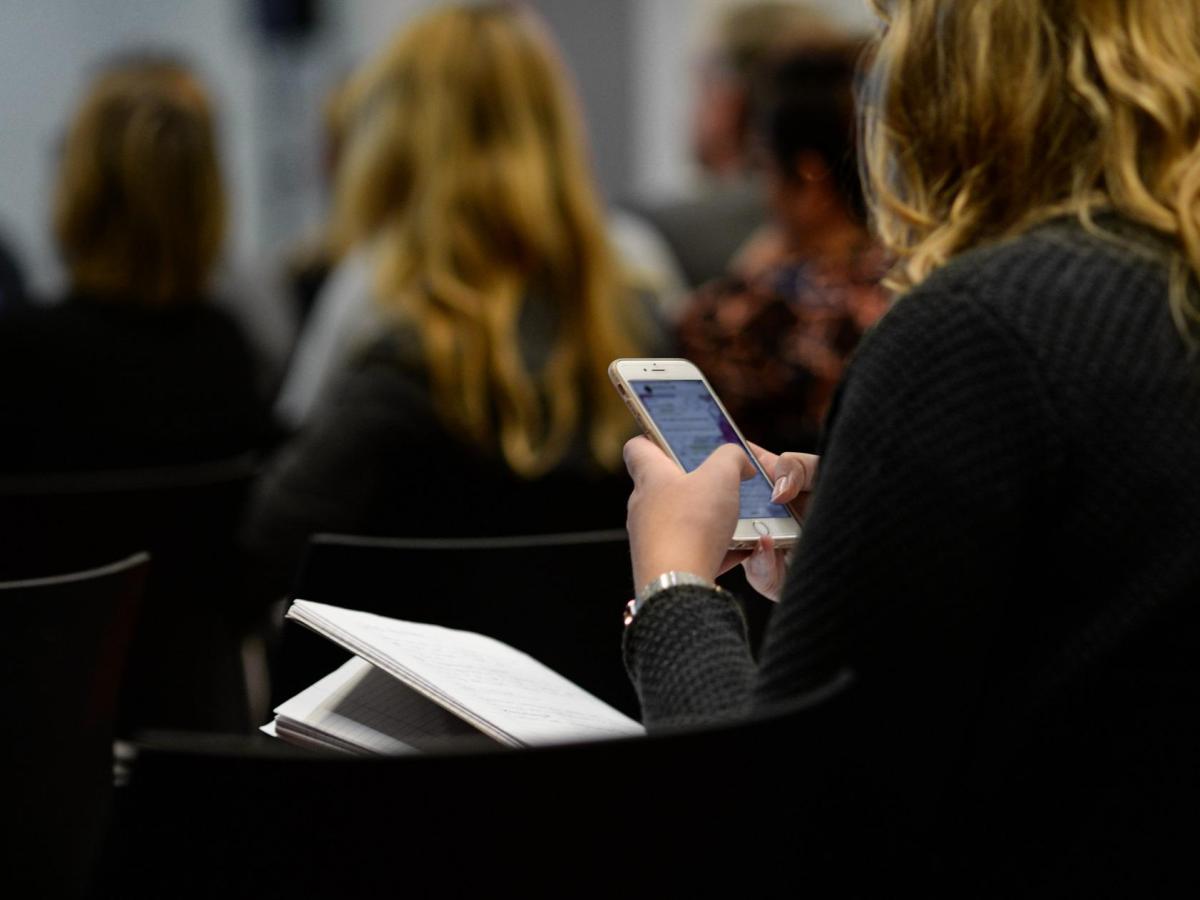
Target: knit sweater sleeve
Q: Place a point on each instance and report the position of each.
(939, 447)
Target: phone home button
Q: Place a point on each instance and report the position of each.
(761, 527)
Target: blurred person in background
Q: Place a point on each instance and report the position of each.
(705, 230)
(747, 40)
(135, 367)
(476, 400)
(775, 334)
(330, 279)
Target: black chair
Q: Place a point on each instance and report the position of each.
(557, 597)
(836, 796)
(185, 668)
(63, 646)
(747, 807)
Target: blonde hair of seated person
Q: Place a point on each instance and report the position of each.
(466, 174)
(139, 206)
(1029, 110)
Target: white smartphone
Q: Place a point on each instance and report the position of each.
(677, 409)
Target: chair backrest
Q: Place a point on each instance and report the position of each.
(185, 667)
(63, 645)
(557, 597)
(666, 816)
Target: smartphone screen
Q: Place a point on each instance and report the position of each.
(694, 426)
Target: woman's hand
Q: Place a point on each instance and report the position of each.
(682, 521)
(793, 474)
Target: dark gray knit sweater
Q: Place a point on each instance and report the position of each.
(1003, 545)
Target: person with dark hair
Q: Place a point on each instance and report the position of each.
(135, 367)
(774, 335)
(705, 228)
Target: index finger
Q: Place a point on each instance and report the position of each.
(644, 458)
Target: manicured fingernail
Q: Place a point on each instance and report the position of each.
(781, 487)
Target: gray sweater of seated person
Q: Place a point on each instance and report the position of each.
(1003, 549)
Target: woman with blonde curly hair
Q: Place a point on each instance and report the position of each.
(995, 591)
(484, 303)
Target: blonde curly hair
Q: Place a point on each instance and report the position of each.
(982, 118)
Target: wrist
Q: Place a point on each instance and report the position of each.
(645, 573)
(664, 583)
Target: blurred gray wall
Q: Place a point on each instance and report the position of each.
(595, 41)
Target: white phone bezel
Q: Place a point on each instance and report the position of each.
(784, 531)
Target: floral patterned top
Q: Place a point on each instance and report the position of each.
(774, 342)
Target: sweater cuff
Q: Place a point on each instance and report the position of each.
(688, 656)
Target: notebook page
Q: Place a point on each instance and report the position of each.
(509, 690)
(308, 617)
(365, 707)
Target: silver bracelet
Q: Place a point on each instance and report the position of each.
(662, 583)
